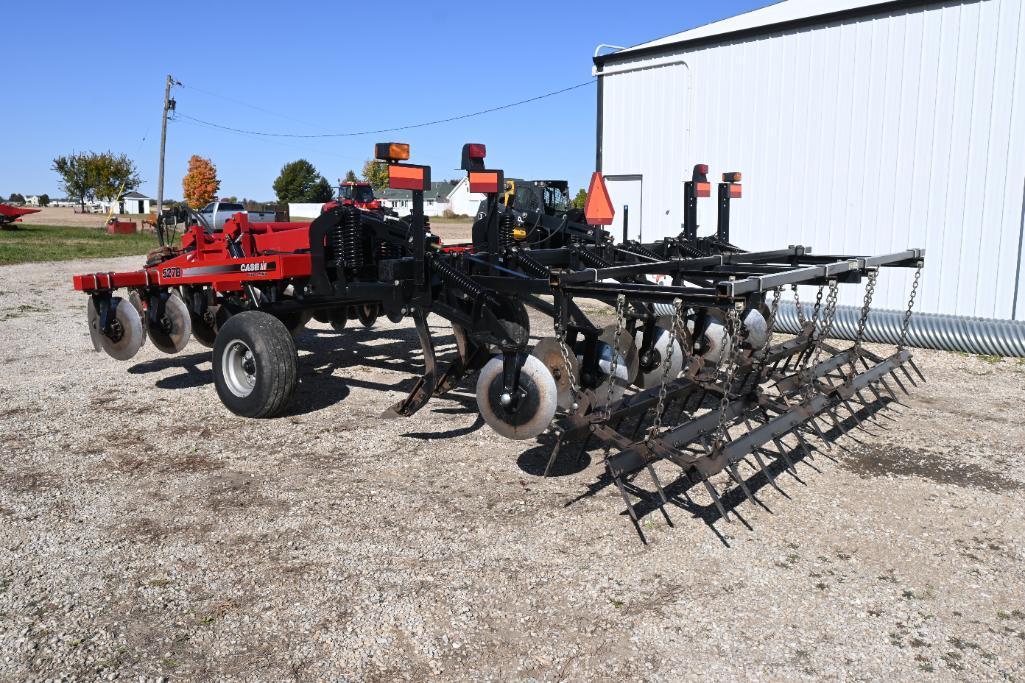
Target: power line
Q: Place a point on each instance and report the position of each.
(385, 130)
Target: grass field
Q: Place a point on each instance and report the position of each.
(31, 243)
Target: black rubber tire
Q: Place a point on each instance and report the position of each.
(276, 363)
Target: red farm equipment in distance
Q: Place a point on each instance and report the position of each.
(13, 214)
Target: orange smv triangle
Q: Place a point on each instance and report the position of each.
(598, 208)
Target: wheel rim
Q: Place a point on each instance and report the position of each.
(239, 368)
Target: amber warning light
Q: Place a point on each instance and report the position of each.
(391, 151)
(598, 208)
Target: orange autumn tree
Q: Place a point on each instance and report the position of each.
(200, 184)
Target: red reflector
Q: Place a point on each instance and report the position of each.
(703, 189)
(477, 150)
(598, 208)
(735, 191)
(484, 182)
(406, 177)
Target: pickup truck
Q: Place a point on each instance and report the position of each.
(216, 213)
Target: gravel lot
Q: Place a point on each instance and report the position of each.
(144, 531)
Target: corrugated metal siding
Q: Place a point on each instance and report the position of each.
(866, 136)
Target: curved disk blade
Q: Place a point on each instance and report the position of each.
(462, 342)
(171, 332)
(713, 342)
(135, 299)
(757, 328)
(367, 314)
(549, 352)
(663, 339)
(126, 333)
(627, 364)
(533, 412)
(94, 325)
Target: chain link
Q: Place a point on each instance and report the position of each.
(731, 333)
(827, 320)
(903, 342)
(818, 306)
(870, 289)
(614, 360)
(800, 309)
(560, 333)
(675, 334)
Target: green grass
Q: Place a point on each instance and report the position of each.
(34, 243)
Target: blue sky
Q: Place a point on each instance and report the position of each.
(91, 77)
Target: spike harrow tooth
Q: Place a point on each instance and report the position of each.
(715, 497)
(911, 362)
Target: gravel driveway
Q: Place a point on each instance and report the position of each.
(145, 531)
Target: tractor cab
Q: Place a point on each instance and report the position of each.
(547, 197)
(360, 195)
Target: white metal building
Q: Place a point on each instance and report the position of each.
(861, 126)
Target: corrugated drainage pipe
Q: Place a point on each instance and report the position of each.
(927, 330)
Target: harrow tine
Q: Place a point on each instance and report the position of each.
(767, 473)
(554, 454)
(715, 497)
(786, 458)
(918, 372)
(630, 508)
(822, 437)
(805, 447)
(899, 383)
(661, 494)
(908, 375)
(735, 476)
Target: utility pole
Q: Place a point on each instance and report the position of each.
(168, 106)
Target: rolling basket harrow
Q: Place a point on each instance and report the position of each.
(689, 373)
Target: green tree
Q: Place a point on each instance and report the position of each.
(44, 200)
(581, 199)
(16, 198)
(376, 173)
(75, 171)
(299, 181)
(87, 175)
(350, 177)
(113, 175)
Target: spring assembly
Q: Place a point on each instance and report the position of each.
(506, 225)
(591, 260)
(345, 241)
(457, 278)
(532, 266)
(387, 250)
(639, 250)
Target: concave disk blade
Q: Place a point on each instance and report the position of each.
(627, 364)
(171, 333)
(126, 331)
(663, 337)
(533, 413)
(549, 352)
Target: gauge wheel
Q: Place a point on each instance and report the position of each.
(255, 365)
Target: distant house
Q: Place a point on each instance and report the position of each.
(32, 200)
(445, 195)
(462, 201)
(134, 202)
